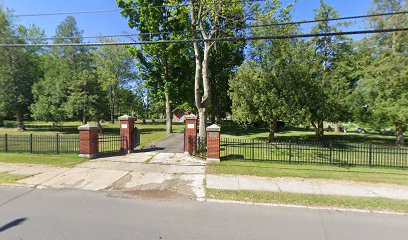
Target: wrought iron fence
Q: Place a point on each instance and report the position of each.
(110, 143)
(47, 144)
(329, 153)
(197, 147)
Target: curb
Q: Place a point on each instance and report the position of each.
(307, 207)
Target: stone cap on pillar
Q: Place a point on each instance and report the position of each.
(214, 128)
(126, 117)
(190, 117)
(87, 127)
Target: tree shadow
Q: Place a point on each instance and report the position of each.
(13, 223)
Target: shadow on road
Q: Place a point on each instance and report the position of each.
(12, 224)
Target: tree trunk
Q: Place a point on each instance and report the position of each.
(1, 122)
(98, 124)
(169, 122)
(320, 129)
(202, 123)
(84, 120)
(400, 134)
(273, 126)
(20, 123)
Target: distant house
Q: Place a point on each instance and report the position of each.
(179, 115)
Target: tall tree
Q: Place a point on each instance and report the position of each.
(164, 67)
(19, 71)
(271, 85)
(332, 53)
(115, 68)
(62, 83)
(384, 84)
(206, 19)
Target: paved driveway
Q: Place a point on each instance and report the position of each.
(172, 144)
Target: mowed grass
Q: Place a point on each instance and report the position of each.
(358, 174)
(313, 200)
(231, 130)
(53, 160)
(6, 178)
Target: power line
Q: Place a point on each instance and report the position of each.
(251, 38)
(115, 9)
(218, 29)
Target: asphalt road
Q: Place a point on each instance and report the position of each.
(61, 214)
(172, 144)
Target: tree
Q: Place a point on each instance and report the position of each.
(164, 68)
(271, 85)
(384, 83)
(21, 69)
(333, 69)
(57, 93)
(206, 19)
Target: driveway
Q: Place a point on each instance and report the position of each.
(172, 144)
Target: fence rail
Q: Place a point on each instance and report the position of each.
(49, 144)
(330, 153)
(110, 143)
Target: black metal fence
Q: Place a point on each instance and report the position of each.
(47, 144)
(198, 147)
(329, 153)
(109, 143)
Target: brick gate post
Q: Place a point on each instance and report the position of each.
(127, 124)
(213, 143)
(190, 132)
(88, 141)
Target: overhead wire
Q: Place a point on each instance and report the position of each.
(245, 38)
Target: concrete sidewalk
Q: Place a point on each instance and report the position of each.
(159, 174)
(307, 186)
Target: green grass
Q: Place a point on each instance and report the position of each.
(310, 200)
(6, 178)
(54, 160)
(231, 130)
(358, 174)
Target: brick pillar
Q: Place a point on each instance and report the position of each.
(88, 141)
(190, 131)
(213, 143)
(127, 124)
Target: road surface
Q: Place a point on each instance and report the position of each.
(172, 144)
(74, 214)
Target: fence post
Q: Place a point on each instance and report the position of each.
(127, 125)
(331, 152)
(370, 154)
(88, 141)
(213, 143)
(290, 152)
(6, 142)
(190, 135)
(31, 143)
(253, 150)
(58, 145)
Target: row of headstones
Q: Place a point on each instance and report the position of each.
(89, 136)
(191, 137)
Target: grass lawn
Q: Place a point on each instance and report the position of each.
(310, 200)
(231, 130)
(9, 178)
(54, 160)
(359, 174)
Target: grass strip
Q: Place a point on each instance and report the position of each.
(312, 200)
(358, 174)
(54, 160)
(6, 178)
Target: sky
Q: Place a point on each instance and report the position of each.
(113, 23)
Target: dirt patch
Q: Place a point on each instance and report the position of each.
(151, 194)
